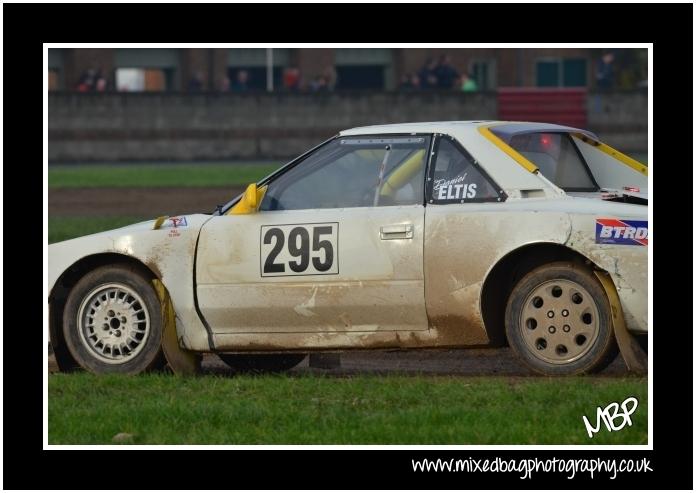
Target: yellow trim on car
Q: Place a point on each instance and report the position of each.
(249, 204)
(158, 222)
(503, 146)
(619, 156)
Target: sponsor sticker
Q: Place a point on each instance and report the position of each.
(176, 222)
(621, 231)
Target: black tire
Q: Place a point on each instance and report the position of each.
(535, 338)
(262, 363)
(146, 352)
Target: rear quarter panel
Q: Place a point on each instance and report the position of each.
(463, 243)
(626, 264)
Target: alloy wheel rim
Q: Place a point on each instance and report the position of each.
(114, 323)
(559, 321)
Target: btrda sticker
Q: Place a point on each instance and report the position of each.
(621, 231)
(454, 189)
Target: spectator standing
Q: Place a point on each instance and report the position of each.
(330, 77)
(319, 84)
(291, 79)
(409, 82)
(605, 72)
(101, 85)
(405, 82)
(415, 81)
(604, 78)
(445, 72)
(225, 84)
(87, 81)
(100, 81)
(196, 82)
(428, 75)
(242, 82)
(468, 84)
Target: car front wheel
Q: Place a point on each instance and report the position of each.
(113, 323)
(558, 321)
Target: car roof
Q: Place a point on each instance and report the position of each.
(505, 171)
(504, 129)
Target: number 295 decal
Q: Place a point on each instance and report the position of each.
(299, 249)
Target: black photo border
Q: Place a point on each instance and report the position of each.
(27, 26)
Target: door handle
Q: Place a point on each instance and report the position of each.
(396, 232)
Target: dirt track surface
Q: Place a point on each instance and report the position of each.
(146, 202)
(455, 362)
(460, 362)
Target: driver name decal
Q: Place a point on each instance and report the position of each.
(454, 189)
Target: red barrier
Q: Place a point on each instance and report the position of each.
(549, 105)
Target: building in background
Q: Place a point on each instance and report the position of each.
(342, 69)
(332, 89)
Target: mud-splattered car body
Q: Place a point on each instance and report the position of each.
(427, 260)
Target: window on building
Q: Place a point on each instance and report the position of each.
(574, 72)
(146, 69)
(247, 68)
(567, 72)
(558, 160)
(456, 179)
(364, 68)
(360, 77)
(55, 68)
(144, 80)
(483, 72)
(354, 172)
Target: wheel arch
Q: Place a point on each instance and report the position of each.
(62, 287)
(508, 270)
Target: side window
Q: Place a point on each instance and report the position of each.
(557, 158)
(456, 179)
(354, 172)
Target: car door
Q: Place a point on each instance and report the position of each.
(336, 246)
(462, 231)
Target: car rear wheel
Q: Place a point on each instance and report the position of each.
(262, 363)
(113, 323)
(558, 321)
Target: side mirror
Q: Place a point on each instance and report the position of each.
(250, 197)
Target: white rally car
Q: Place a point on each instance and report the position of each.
(421, 235)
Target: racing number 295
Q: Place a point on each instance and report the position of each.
(299, 249)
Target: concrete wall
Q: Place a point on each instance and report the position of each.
(148, 127)
(620, 119)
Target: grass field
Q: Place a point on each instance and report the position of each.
(168, 175)
(62, 228)
(162, 409)
(164, 175)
